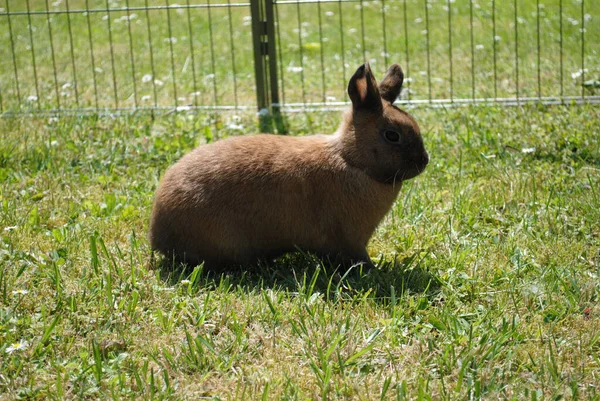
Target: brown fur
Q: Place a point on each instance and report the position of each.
(246, 198)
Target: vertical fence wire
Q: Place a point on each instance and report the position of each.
(92, 58)
(383, 25)
(131, 56)
(472, 50)
(112, 56)
(173, 75)
(516, 49)
(582, 49)
(192, 55)
(233, 65)
(35, 76)
(151, 50)
(539, 67)
(406, 51)
(324, 96)
(340, 12)
(271, 51)
(279, 46)
(72, 50)
(429, 97)
(12, 51)
(362, 30)
(495, 50)
(301, 52)
(450, 51)
(560, 18)
(212, 56)
(53, 57)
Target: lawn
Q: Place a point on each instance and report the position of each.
(487, 282)
(487, 278)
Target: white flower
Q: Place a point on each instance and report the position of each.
(158, 82)
(147, 78)
(528, 150)
(478, 47)
(32, 98)
(21, 345)
(185, 281)
(329, 13)
(20, 291)
(10, 228)
(145, 98)
(233, 126)
(418, 20)
(578, 73)
(294, 68)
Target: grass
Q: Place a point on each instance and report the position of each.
(204, 57)
(487, 280)
(487, 285)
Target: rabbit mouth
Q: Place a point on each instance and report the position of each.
(410, 173)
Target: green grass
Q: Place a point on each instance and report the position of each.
(487, 281)
(207, 67)
(487, 285)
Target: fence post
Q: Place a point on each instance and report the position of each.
(265, 64)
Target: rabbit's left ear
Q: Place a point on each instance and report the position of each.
(362, 89)
(390, 86)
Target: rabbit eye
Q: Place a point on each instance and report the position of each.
(392, 136)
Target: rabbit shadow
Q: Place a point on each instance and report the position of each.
(307, 274)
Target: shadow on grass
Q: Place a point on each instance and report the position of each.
(306, 274)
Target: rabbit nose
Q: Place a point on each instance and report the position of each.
(425, 158)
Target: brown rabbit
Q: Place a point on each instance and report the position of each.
(247, 198)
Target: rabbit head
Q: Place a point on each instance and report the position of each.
(377, 136)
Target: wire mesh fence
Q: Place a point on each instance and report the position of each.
(93, 56)
(452, 52)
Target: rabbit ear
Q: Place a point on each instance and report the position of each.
(391, 84)
(362, 89)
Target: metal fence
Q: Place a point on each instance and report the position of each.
(111, 56)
